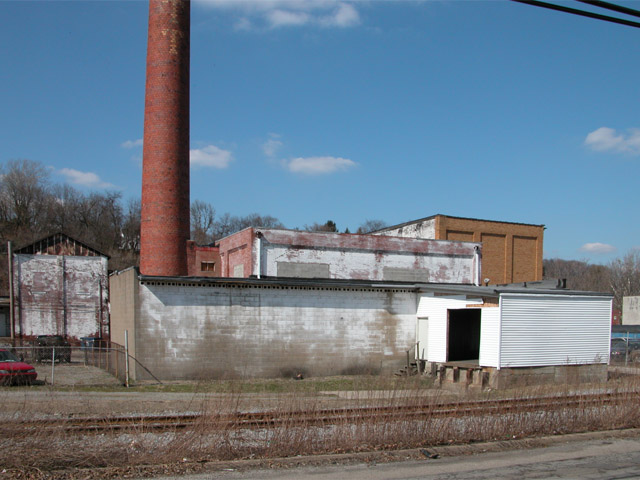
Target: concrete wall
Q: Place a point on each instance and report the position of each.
(61, 295)
(288, 253)
(221, 330)
(631, 310)
(123, 287)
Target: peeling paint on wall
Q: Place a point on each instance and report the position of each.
(222, 332)
(61, 295)
(364, 257)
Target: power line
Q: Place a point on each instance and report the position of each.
(584, 13)
(612, 6)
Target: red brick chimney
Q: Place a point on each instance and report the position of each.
(165, 169)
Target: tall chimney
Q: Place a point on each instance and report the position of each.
(165, 163)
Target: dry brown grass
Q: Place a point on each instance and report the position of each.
(42, 449)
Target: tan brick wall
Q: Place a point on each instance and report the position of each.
(511, 252)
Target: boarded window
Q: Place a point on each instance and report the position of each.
(303, 270)
(238, 270)
(207, 266)
(406, 274)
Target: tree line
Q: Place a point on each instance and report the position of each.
(33, 207)
(621, 276)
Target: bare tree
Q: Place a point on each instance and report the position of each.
(24, 195)
(202, 222)
(330, 226)
(625, 277)
(580, 275)
(228, 224)
(371, 226)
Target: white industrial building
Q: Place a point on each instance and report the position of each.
(185, 327)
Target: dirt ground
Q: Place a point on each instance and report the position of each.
(73, 390)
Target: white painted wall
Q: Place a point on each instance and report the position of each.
(192, 331)
(368, 265)
(363, 257)
(542, 330)
(435, 308)
(60, 295)
(489, 337)
(423, 229)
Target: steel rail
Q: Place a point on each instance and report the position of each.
(272, 419)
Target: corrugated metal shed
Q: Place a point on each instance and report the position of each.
(539, 330)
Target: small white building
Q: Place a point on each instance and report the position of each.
(528, 329)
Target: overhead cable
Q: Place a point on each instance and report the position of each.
(584, 13)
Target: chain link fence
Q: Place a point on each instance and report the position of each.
(52, 360)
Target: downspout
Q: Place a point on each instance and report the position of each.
(12, 318)
(477, 257)
(259, 253)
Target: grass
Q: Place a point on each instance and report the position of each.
(277, 385)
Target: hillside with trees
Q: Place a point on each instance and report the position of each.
(33, 207)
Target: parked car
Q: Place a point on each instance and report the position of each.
(45, 345)
(619, 349)
(14, 371)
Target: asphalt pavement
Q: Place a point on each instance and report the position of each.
(603, 458)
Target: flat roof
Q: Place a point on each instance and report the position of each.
(534, 288)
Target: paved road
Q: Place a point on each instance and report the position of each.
(602, 459)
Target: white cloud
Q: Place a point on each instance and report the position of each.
(318, 165)
(344, 16)
(598, 248)
(290, 13)
(132, 143)
(606, 139)
(272, 146)
(210, 156)
(286, 18)
(85, 179)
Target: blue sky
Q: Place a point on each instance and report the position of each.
(348, 110)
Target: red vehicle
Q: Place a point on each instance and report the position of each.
(14, 371)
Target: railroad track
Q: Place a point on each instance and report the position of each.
(325, 417)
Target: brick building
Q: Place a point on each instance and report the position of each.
(511, 252)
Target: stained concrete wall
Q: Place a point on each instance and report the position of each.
(221, 330)
(61, 295)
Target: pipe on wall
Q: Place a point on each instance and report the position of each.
(259, 252)
(477, 257)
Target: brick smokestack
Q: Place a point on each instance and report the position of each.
(165, 170)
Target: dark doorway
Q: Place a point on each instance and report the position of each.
(464, 334)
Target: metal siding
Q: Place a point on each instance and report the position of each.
(540, 330)
(435, 308)
(489, 337)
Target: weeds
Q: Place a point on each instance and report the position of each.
(211, 439)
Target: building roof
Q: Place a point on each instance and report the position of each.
(392, 227)
(553, 287)
(60, 244)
